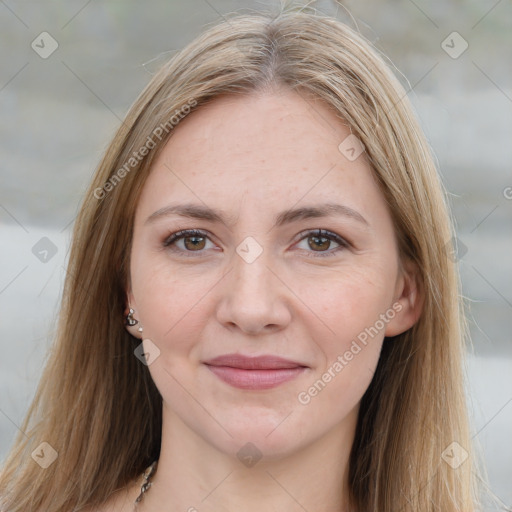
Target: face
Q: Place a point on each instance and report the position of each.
(273, 271)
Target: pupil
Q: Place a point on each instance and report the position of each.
(319, 238)
(195, 244)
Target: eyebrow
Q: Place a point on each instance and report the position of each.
(201, 212)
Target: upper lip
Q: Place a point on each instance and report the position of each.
(265, 362)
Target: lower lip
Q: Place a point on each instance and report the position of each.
(255, 379)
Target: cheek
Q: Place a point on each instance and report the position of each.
(350, 354)
(351, 303)
(170, 303)
(355, 309)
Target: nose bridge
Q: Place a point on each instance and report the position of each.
(252, 277)
(253, 297)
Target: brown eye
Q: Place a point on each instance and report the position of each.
(194, 241)
(320, 243)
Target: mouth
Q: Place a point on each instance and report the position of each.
(254, 373)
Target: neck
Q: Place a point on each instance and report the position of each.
(193, 475)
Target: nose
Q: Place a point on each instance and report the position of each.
(253, 297)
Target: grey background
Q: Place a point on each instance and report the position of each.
(58, 113)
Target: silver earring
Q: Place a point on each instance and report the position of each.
(130, 320)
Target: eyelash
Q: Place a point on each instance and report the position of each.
(319, 233)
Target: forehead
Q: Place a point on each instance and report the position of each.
(270, 150)
(260, 128)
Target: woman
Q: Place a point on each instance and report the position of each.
(259, 311)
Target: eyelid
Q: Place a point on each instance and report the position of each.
(342, 242)
(184, 233)
(318, 232)
(323, 233)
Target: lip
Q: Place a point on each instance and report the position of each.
(264, 362)
(261, 372)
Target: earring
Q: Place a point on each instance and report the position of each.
(130, 320)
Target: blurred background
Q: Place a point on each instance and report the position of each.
(70, 70)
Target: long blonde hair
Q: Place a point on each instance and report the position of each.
(98, 407)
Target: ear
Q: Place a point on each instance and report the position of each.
(130, 303)
(408, 301)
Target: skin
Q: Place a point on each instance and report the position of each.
(252, 157)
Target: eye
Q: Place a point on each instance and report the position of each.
(194, 240)
(320, 240)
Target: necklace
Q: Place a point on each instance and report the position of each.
(146, 483)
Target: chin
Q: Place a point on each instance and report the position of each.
(267, 439)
